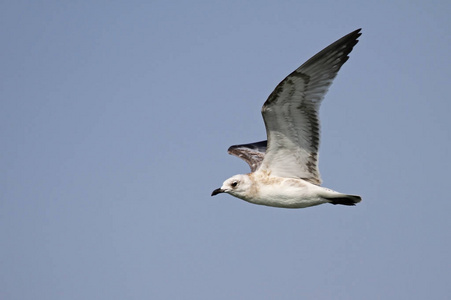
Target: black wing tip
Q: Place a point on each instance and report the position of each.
(354, 36)
(345, 43)
(351, 39)
(355, 33)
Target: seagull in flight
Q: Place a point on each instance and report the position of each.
(284, 169)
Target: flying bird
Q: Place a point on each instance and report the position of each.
(284, 169)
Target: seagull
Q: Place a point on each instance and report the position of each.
(284, 169)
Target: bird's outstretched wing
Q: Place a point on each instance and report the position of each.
(291, 113)
(252, 153)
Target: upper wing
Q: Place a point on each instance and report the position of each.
(252, 153)
(291, 113)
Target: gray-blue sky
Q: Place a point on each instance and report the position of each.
(115, 119)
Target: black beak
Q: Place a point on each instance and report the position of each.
(217, 191)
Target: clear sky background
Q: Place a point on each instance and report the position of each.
(115, 118)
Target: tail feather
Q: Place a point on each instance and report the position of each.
(349, 200)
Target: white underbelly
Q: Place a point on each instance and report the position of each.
(289, 193)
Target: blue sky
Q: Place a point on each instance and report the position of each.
(116, 116)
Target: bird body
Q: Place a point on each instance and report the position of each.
(284, 169)
(263, 189)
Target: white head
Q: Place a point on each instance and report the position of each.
(238, 186)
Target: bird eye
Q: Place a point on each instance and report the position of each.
(234, 184)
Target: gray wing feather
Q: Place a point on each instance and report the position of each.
(291, 113)
(252, 153)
